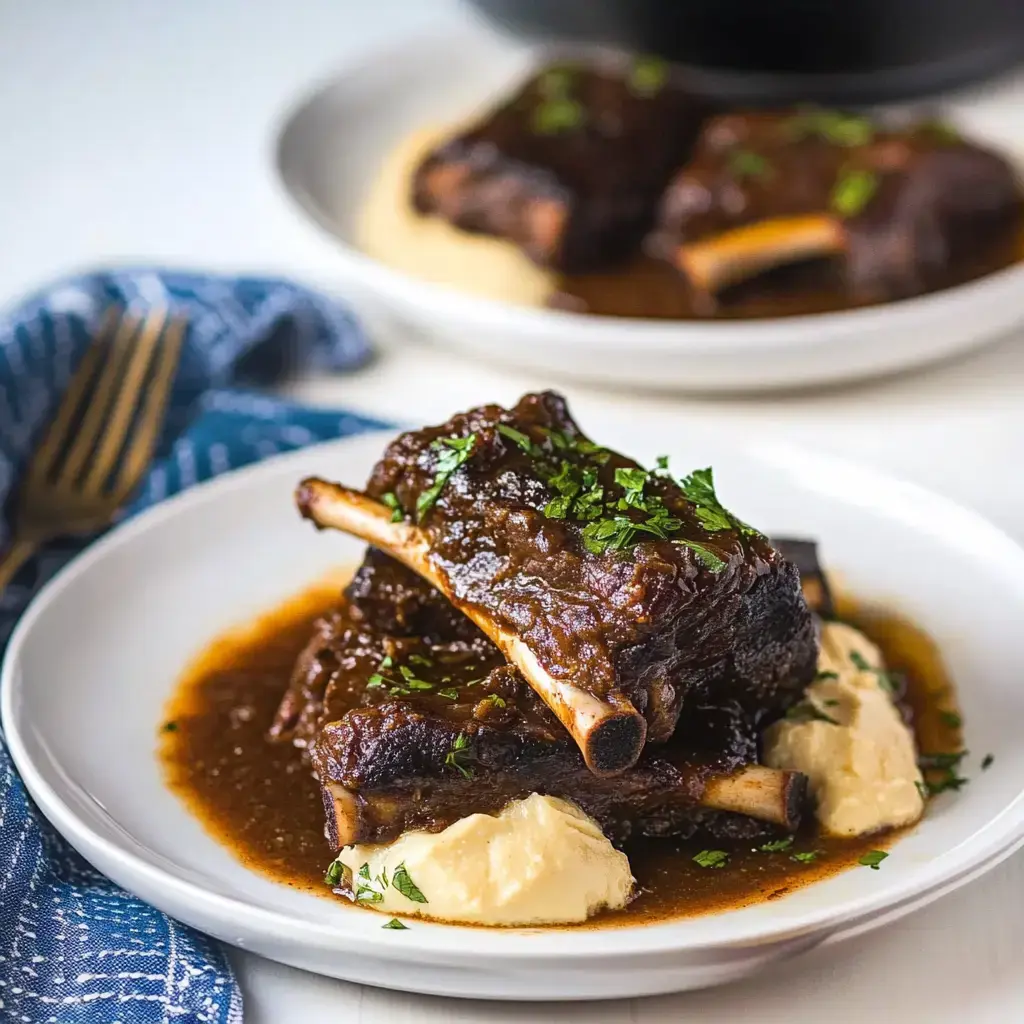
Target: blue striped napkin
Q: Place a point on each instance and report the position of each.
(73, 946)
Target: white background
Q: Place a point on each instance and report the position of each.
(133, 130)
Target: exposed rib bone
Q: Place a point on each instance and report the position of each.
(768, 794)
(741, 253)
(771, 795)
(609, 732)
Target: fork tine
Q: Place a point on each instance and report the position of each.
(143, 442)
(103, 394)
(56, 437)
(112, 439)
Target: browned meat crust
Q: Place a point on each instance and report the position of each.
(570, 168)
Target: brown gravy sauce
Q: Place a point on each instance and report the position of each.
(259, 800)
(651, 288)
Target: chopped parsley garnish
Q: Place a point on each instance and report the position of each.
(805, 857)
(620, 532)
(711, 858)
(853, 191)
(648, 76)
(580, 445)
(450, 692)
(986, 762)
(840, 129)
(745, 163)
(616, 520)
(777, 845)
(370, 890)
(826, 675)
(941, 771)
(808, 711)
(950, 719)
(885, 680)
(378, 678)
(420, 659)
(831, 702)
(705, 556)
(395, 925)
(391, 500)
(872, 859)
(632, 481)
(517, 437)
(401, 881)
(460, 753)
(455, 451)
(699, 488)
(557, 114)
(334, 873)
(558, 508)
(493, 700)
(169, 727)
(412, 682)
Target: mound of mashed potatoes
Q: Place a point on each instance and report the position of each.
(391, 231)
(540, 861)
(849, 739)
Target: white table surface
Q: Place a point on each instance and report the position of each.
(140, 131)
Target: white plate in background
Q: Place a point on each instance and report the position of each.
(334, 143)
(137, 606)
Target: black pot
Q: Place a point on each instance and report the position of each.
(769, 51)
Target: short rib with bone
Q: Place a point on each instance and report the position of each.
(895, 208)
(627, 600)
(412, 719)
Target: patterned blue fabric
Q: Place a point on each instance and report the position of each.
(73, 946)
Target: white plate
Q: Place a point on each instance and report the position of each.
(93, 661)
(333, 144)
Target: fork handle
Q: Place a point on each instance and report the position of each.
(14, 558)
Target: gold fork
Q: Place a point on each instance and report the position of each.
(102, 439)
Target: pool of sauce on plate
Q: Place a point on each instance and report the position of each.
(258, 799)
(652, 288)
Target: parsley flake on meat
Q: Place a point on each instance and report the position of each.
(455, 452)
(460, 753)
(391, 501)
(699, 488)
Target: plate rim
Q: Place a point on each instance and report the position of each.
(430, 941)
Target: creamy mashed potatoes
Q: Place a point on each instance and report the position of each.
(850, 741)
(540, 861)
(392, 232)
